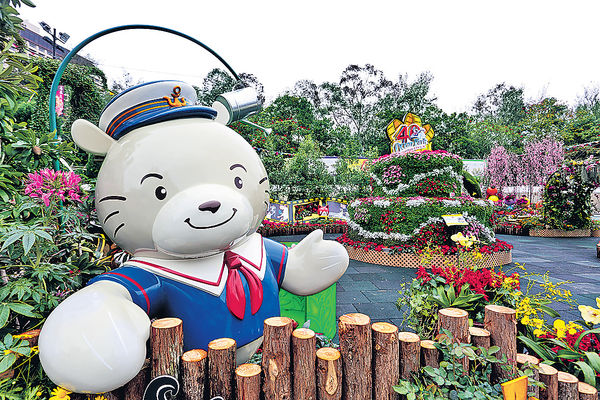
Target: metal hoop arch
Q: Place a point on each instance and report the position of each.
(76, 49)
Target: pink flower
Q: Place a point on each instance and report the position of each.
(51, 186)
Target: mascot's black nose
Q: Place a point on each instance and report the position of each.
(211, 205)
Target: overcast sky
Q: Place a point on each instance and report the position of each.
(548, 47)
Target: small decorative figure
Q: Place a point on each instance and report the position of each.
(184, 194)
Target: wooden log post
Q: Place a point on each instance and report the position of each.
(386, 362)
(355, 345)
(166, 343)
(276, 360)
(568, 388)
(134, 389)
(480, 337)
(456, 321)
(410, 350)
(247, 379)
(549, 377)
(304, 342)
(525, 361)
(501, 322)
(329, 374)
(587, 392)
(193, 374)
(221, 368)
(430, 355)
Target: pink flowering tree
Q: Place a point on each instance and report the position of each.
(532, 168)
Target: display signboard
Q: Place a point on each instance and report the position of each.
(409, 134)
(454, 220)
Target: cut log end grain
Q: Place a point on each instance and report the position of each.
(166, 323)
(546, 369)
(303, 333)
(328, 354)
(221, 344)
(355, 319)
(194, 355)
(454, 312)
(278, 321)
(248, 370)
(527, 359)
(567, 378)
(479, 332)
(384, 327)
(500, 309)
(427, 344)
(588, 390)
(408, 337)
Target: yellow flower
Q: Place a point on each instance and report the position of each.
(525, 320)
(590, 314)
(38, 394)
(598, 302)
(560, 328)
(538, 332)
(100, 397)
(464, 241)
(60, 394)
(537, 322)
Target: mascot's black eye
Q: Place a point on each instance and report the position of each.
(160, 193)
(238, 182)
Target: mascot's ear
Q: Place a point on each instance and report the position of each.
(90, 138)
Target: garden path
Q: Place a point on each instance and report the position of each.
(373, 289)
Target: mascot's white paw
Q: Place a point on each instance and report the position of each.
(314, 264)
(95, 340)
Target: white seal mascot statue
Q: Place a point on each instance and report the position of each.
(184, 194)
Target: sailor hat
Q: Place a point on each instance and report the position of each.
(150, 103)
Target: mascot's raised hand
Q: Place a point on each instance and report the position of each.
(184, 194)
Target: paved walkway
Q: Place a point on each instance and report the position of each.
(373, 289)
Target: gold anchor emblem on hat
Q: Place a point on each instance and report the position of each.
(174, 100)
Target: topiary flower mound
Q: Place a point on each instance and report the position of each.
(427, 173)
(411, 193)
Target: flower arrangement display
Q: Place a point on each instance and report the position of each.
(427, 173)
(516, 219)
(416, 219)
(275, 228)
(430, 186)
(567, 195)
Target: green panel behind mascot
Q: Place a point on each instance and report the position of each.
(185, 195)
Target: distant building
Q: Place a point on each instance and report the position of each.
(39, 44)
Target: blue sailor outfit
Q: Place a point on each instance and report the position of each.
(210, 295)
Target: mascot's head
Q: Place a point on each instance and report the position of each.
(174, 180)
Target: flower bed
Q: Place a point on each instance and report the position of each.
(559, 232)
(411, 256)
(271, 228)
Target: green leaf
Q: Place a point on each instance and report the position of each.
(11, 239)
(44, 235)
(28, 241)
(23, 309)
(594, 360)
(537, 348)
(576, 345)
(588, 373)
(7, 361)
(4, 314)
(549, 311)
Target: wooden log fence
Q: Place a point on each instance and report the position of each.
(370, 360)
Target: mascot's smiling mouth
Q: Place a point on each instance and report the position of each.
(187, 220)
